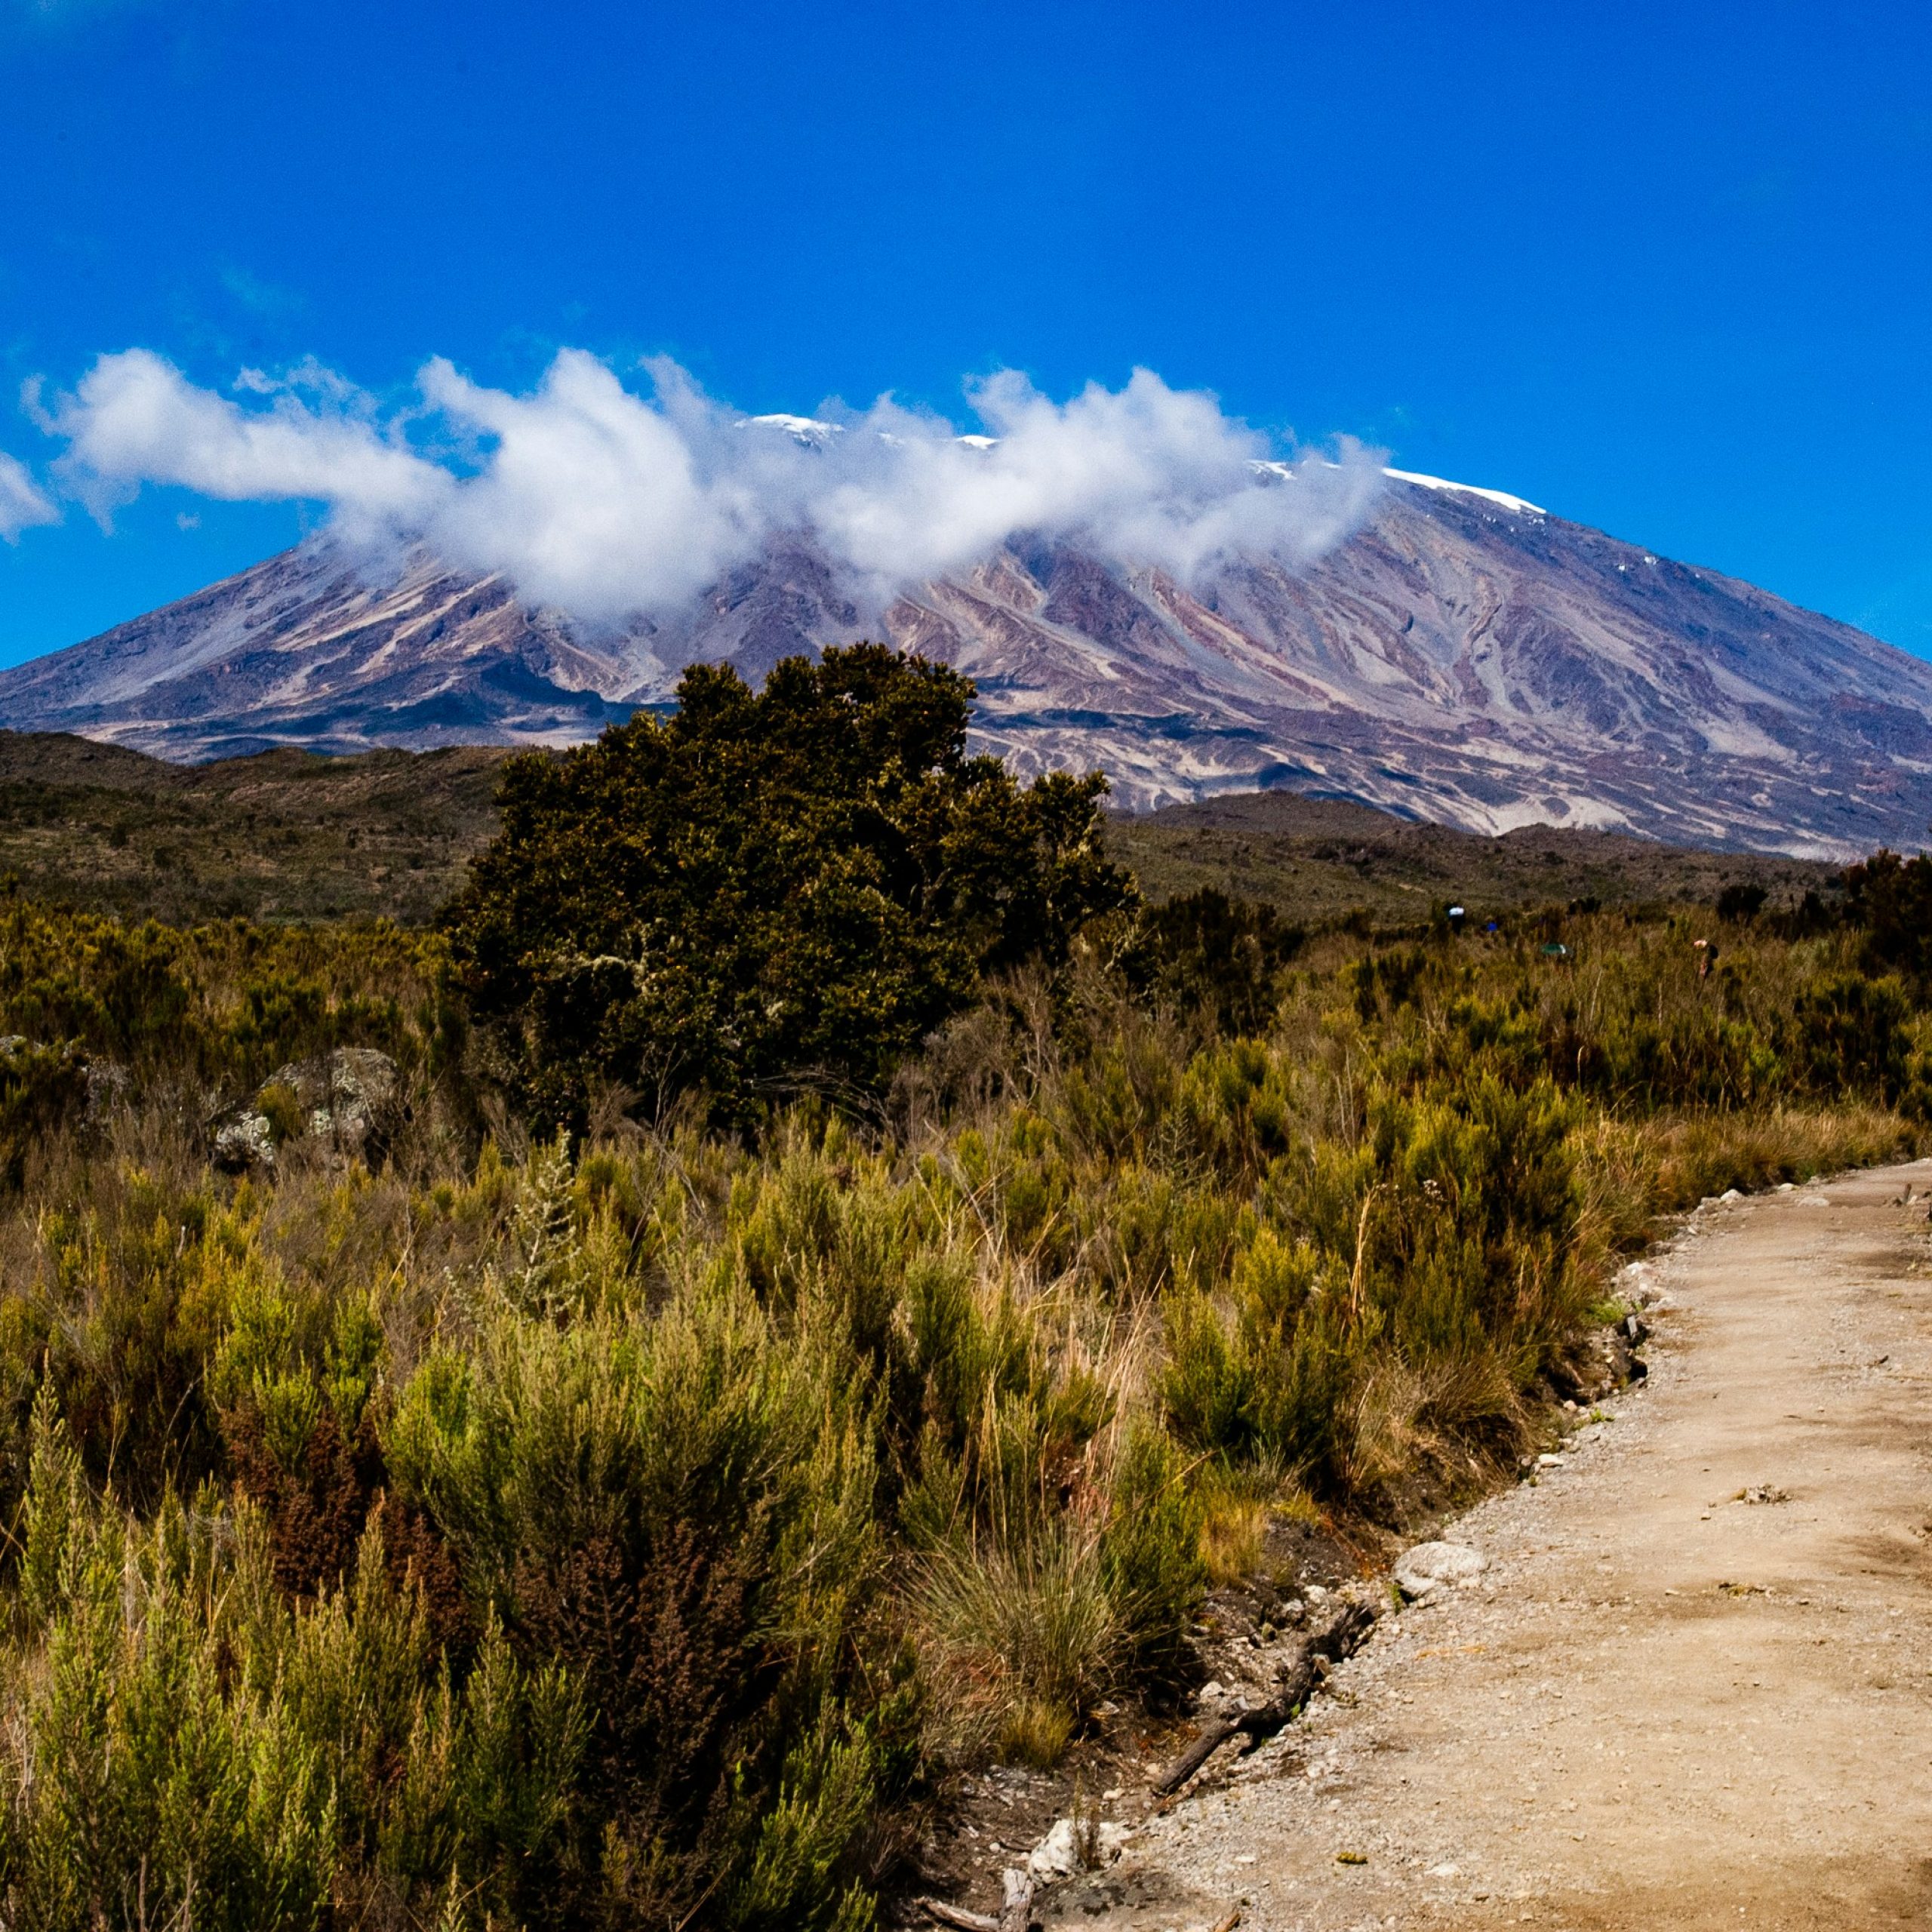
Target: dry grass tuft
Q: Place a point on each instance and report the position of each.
(1024, 1642)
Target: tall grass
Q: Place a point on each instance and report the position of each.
(533, 1534)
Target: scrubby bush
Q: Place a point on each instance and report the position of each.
(1219, 958)
(1740, 903)
(1849, 1035)
(1888, 901)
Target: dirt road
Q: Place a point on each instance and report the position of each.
(1662, 1705)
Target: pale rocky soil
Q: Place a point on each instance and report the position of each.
(1661, 1706)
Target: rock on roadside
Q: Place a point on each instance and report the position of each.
(1057, 1855)
(1430, 1567)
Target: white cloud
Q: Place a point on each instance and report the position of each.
(1145, 474)
(604, 502)
(591, 498)
(21, 503)
(136, 419)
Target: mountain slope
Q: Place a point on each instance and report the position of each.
(1465, 658)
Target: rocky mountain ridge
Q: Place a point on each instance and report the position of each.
(1465, 658)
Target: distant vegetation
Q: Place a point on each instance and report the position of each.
(634, 1524)
(1324, 860)
(283, 835)
(288, 834)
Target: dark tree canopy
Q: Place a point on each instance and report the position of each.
(1739, 904)
(1891, 899)
(766, 889)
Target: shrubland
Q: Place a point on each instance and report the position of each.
(285, 834)
(276, 835)
(606, 1503)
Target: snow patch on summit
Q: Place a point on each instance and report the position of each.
(1503, 497)
(806, 429)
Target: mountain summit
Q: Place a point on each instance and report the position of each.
(1465, 657)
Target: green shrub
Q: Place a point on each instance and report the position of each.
(1850, 1037)
(766, 893)
(1889, 900)
(678, 1513)
(42, 1089)
(1270, 1378)
(1219, 957)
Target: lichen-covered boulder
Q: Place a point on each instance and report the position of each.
(245, 1143)
(348, 1103)
(1431, 1567)
(351, 1099)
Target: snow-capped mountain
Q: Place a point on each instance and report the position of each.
(1465, 657)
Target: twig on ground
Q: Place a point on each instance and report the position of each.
(958, 1916)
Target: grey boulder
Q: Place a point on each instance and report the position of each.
(350, 1102)
(1431, 1567)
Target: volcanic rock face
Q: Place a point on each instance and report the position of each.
(1465, 658)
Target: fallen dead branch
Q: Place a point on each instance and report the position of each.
(1016, 1912)
(957, 1915)
(1342, 1637)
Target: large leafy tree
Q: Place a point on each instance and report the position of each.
(766, 890)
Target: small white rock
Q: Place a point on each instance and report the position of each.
(1057, 1855)
(1430, 1566)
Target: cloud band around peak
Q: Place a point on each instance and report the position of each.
(605, 502)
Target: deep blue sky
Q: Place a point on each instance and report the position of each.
(1665, 270)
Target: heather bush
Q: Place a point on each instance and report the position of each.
(767, 893)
